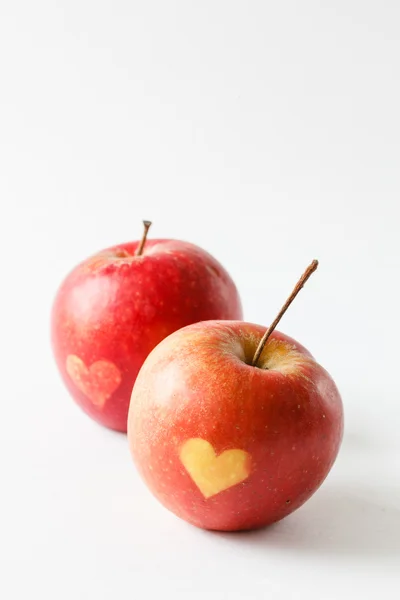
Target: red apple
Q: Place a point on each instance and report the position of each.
(116, 306)
(227, 445)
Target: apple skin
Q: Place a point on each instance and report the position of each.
(197, 394)
(115, 307)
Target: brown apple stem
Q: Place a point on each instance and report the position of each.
(306, 275)
(146, 225)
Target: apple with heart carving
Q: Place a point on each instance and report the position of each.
(117, 305)
(233, 427)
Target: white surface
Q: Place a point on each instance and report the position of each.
(267, 132)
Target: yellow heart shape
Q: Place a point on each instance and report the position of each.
(211, 473)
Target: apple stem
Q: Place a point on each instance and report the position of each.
(146, 225)
(306, 275)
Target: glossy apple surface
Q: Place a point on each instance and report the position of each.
(225, 445)
(115, 307)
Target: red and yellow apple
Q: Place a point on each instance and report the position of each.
(227, 445)
(117, 305)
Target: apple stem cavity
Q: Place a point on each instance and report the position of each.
(146, 225)
(306, 275)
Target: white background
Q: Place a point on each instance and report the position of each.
(268, 133)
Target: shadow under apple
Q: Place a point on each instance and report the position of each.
(340, 521)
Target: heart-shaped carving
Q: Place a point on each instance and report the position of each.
(211, 473)
(98, 382)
